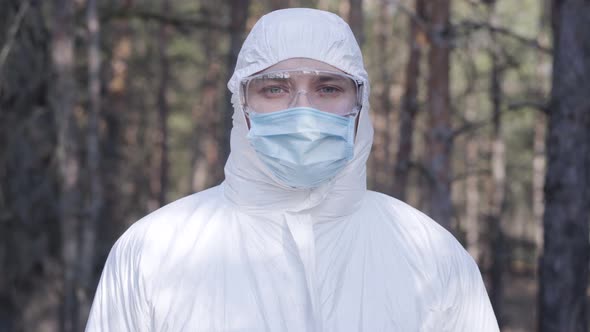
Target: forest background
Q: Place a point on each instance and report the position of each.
(111, 109)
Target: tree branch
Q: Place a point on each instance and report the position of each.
(422, 24)
(468, 126)
(175, 20)
(11, 37)
(475, 25)
(517, 105)
(423, 170)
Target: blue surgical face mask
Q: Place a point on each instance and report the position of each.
(303, 147)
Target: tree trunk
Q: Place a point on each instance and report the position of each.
(538, 180)
(564, 265)
(440, 133)
(279, 4)
(356, 20)
(239, 16)
(12, 31)
(410, 105)
(380, 175)
(472, 199)
(539, 165)
(498, 194)
(68, 163)
(159, 177)
(95, 200)
(206, 117)
(30, 294)
(119, 131)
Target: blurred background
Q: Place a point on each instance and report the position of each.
(111, 109)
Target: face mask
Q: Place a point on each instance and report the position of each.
(303, 147)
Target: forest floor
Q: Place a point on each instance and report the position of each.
(520, 297)
(520, 303)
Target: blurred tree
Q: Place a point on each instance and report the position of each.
(540, 129)
(279, 4)
(68, 155)
(498, 167)
(473, 204)
(538, 177)
(410, 106)
(382, 107)
(238, 18)
(209, 110)
(29, 229)
(356, 20)
(159, 167)
(440, 132)
(89, 225)
(564, 264)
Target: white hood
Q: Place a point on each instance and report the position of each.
(249, 184)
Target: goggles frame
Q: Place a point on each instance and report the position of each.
(281, 74)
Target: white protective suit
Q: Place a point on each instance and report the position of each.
(254, 255)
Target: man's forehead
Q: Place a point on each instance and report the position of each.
(298, 63)
(306, 74)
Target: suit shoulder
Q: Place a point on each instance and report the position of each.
(168, 222)
(416, 229)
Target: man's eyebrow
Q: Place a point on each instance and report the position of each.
(271, 79)
(331, 78)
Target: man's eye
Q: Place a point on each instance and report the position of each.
(273, 90)
(329, 90)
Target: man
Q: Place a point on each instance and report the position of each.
(292, 240)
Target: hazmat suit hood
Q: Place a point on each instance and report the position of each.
(278, 36)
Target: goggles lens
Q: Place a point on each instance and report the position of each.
(327, 91)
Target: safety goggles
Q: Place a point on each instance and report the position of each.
(327, 91)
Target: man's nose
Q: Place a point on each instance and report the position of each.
(301, 99)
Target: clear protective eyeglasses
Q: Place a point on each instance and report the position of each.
(327, 91)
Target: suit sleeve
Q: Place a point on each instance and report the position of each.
(120, 302)
(468, 307)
